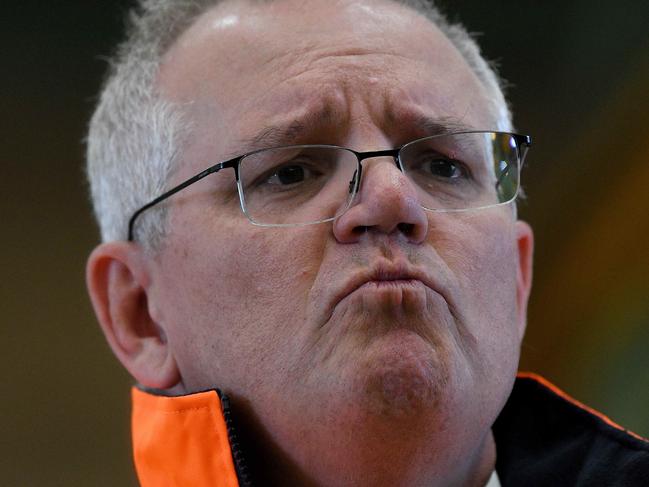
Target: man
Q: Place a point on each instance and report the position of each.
(310, 206)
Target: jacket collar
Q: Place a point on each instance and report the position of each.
(182, 440)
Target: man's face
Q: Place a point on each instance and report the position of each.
(275, 316)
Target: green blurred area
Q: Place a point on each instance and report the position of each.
(579, 75)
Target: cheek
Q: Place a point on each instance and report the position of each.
(235, 299)
(483, 260)
(481, 252)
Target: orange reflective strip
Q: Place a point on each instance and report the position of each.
(559, 392)
(181, 441)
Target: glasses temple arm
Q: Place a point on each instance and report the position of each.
(171, 192)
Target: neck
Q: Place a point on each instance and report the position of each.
(352, 456)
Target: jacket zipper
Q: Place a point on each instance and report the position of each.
(240, 465)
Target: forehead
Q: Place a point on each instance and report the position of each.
(369, 62)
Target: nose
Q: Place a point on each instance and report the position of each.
(386, 202)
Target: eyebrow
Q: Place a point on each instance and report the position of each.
(276, 135)
(440, 125)
(288, 132)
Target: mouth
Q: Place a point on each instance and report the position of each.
(389, 283)
(386, 276)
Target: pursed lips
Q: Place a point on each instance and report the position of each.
(389, 283)
(385, 276)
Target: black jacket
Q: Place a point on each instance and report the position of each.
(545, 438)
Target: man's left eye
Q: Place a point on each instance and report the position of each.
(446, 168)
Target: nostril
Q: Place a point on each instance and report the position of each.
(406, 228)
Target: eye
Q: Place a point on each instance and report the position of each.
(287, 175)
(446, 168)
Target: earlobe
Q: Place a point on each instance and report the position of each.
(118, 282)
(525, 247)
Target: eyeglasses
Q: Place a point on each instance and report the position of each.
(307, 184)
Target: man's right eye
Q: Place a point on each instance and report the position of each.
(286, 175)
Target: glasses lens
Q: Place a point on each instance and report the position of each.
(294, 185)
(463, 171)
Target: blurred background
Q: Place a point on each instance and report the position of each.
(579, 75)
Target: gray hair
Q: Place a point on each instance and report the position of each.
(134, 135)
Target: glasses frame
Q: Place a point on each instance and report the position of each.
(523, 143)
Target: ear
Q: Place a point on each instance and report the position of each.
(525, 244)
(118, 282)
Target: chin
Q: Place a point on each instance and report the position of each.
(403, 376)
(395, 360)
